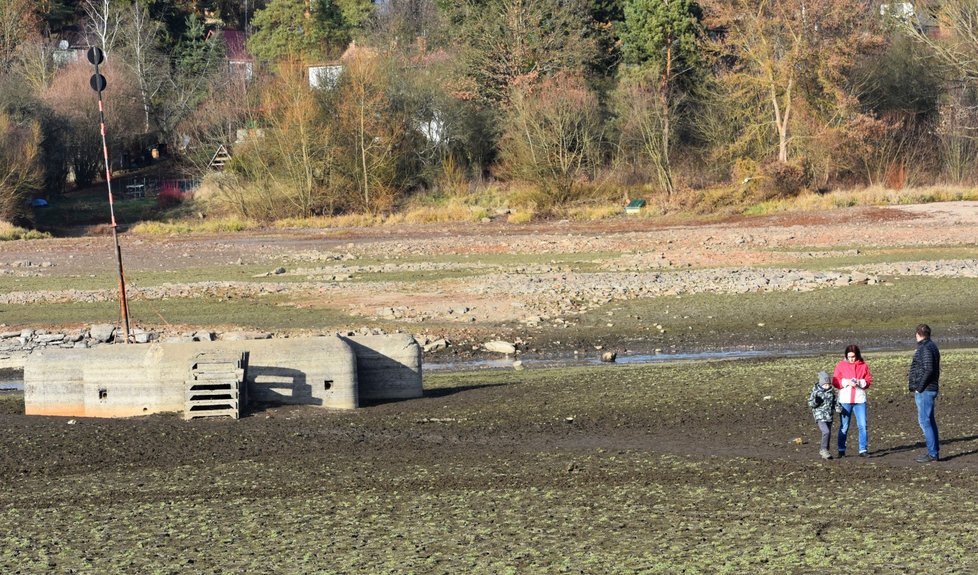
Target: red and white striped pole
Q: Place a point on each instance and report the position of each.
(95, 56)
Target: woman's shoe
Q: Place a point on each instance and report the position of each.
(825, 453)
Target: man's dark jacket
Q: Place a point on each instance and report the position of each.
(925, 369)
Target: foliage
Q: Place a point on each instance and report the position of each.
(662, 46)
(371, 166)
(170, 196)
(284, 169)
(551, 136)
(792, 62)
(681, 89)
(70, 98)
(17, 24)
(306, 30)
(664, 36)
(781, 180)
(20, 173)
(644, 120)
(505, 42)
(958, 22)
(9, 232)
(957, 116)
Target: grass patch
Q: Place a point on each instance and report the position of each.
(868, 256)
(873, 196)
(264, 313)
(595, 213)
(877, 315)
(10, 232)
(188, 226)
(90, 207)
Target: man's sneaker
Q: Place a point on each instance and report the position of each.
(926, 458)
(841, 454)
(863, 454)
(825, 453)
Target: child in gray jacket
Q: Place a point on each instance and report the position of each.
(822, 403)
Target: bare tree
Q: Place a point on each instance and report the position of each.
(17, 23)
(19, 170)
(552, 135)
(104, 22)
(143, 57)
(957, 44)
(34, 62)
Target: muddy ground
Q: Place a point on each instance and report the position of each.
(603, 470)
(705, 467)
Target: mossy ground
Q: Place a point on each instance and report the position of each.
(689, 467)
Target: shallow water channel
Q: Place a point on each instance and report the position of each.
(577, 360)
(13, 379)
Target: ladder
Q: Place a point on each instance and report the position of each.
(221, 157)
(216, 386)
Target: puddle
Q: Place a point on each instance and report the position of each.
(577, 361)
(11, 379)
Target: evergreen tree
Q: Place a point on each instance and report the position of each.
(313, 29)
(664, 36)
(660, 42)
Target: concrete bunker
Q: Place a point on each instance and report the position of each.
(128, 380)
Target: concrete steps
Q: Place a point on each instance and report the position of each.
(216, 386)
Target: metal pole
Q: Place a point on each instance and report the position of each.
(115, 236)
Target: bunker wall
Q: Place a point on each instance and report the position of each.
(127, 380)
(388, 366)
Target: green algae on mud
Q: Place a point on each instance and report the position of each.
(688, 467)
(883, 315)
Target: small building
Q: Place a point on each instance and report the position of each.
(241, 64)
(141, 379)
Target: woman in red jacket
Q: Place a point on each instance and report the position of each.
(852, 378)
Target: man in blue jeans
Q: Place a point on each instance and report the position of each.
(925, 373)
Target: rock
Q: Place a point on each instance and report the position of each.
(518, 365)
(50, 338)
(203, 336)
(245, 335)
(102, 332)
(609, 356)
(436, 345)
(498, 346)
(385, 313)
(278, 271)
(144, 337)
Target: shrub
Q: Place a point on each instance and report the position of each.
(551, 137)
(170, 196)
(745, 172)
(9, 231)
(781, 180)
(520, 217)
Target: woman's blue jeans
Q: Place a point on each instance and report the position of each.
(848, 410)
(928, 423)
